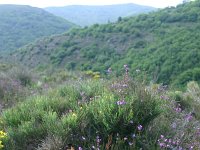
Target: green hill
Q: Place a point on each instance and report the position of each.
(163, 45)
(79, 14)
(20, 25)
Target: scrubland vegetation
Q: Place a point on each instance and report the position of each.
(129, 85)
(81, 111)
(164, 44)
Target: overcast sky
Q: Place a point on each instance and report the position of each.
(46, 3)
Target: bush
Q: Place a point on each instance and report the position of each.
(80, 114)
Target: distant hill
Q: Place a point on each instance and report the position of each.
(20, 24)
(88, 15)
(163, 45)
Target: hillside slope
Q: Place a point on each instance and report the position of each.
(79, 14)
(164, 45)
(20, 25)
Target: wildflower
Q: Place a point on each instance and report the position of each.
(130, 143)
(131, 122)
(191, 147)
(170, 140)
(137, 70)
(109, 70)
(121, 102)
(164, 97)
(139, 127)
(80, 148)
(74, 115)
(98, 140)
(1, 145)
(162, 145)
(133, 136)
(126, 68)
(178, 109)
(125, 138)
(124, 85)
(188, 117)
(180, 148)
(83, 138)
(174, 125)
(2, 134)
(174, 143)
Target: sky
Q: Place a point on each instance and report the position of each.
(47, 3)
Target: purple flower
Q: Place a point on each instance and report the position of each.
(139, 127)
(98, 140)
(191, 147)
(121, 102)
(161, 136)
(80, 148)
(174, 125)
(178, 109)
(162, 145)
(170, 141)
(180, 148)
(164, 97)
(188, 117)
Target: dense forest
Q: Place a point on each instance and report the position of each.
(26, 24)
(163, 45)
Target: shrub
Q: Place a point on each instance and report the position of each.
(79, 113)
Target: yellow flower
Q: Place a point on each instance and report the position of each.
(74, 115)
(2, 134)
(1, 145)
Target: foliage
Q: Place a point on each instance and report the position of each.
(21, 25)
(77, 114)
(119, 113)
(163, 45)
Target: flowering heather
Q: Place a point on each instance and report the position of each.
(121, 102)
(139, 127)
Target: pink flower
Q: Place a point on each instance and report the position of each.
(80, 148)
(139, 127)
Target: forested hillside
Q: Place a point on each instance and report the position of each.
(104, 87)
(163, 45)
(84, 15)
(20, 25)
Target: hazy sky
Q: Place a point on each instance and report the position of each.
(46, 3)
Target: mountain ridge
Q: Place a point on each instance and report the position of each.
(21, 24)
(100, 14)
